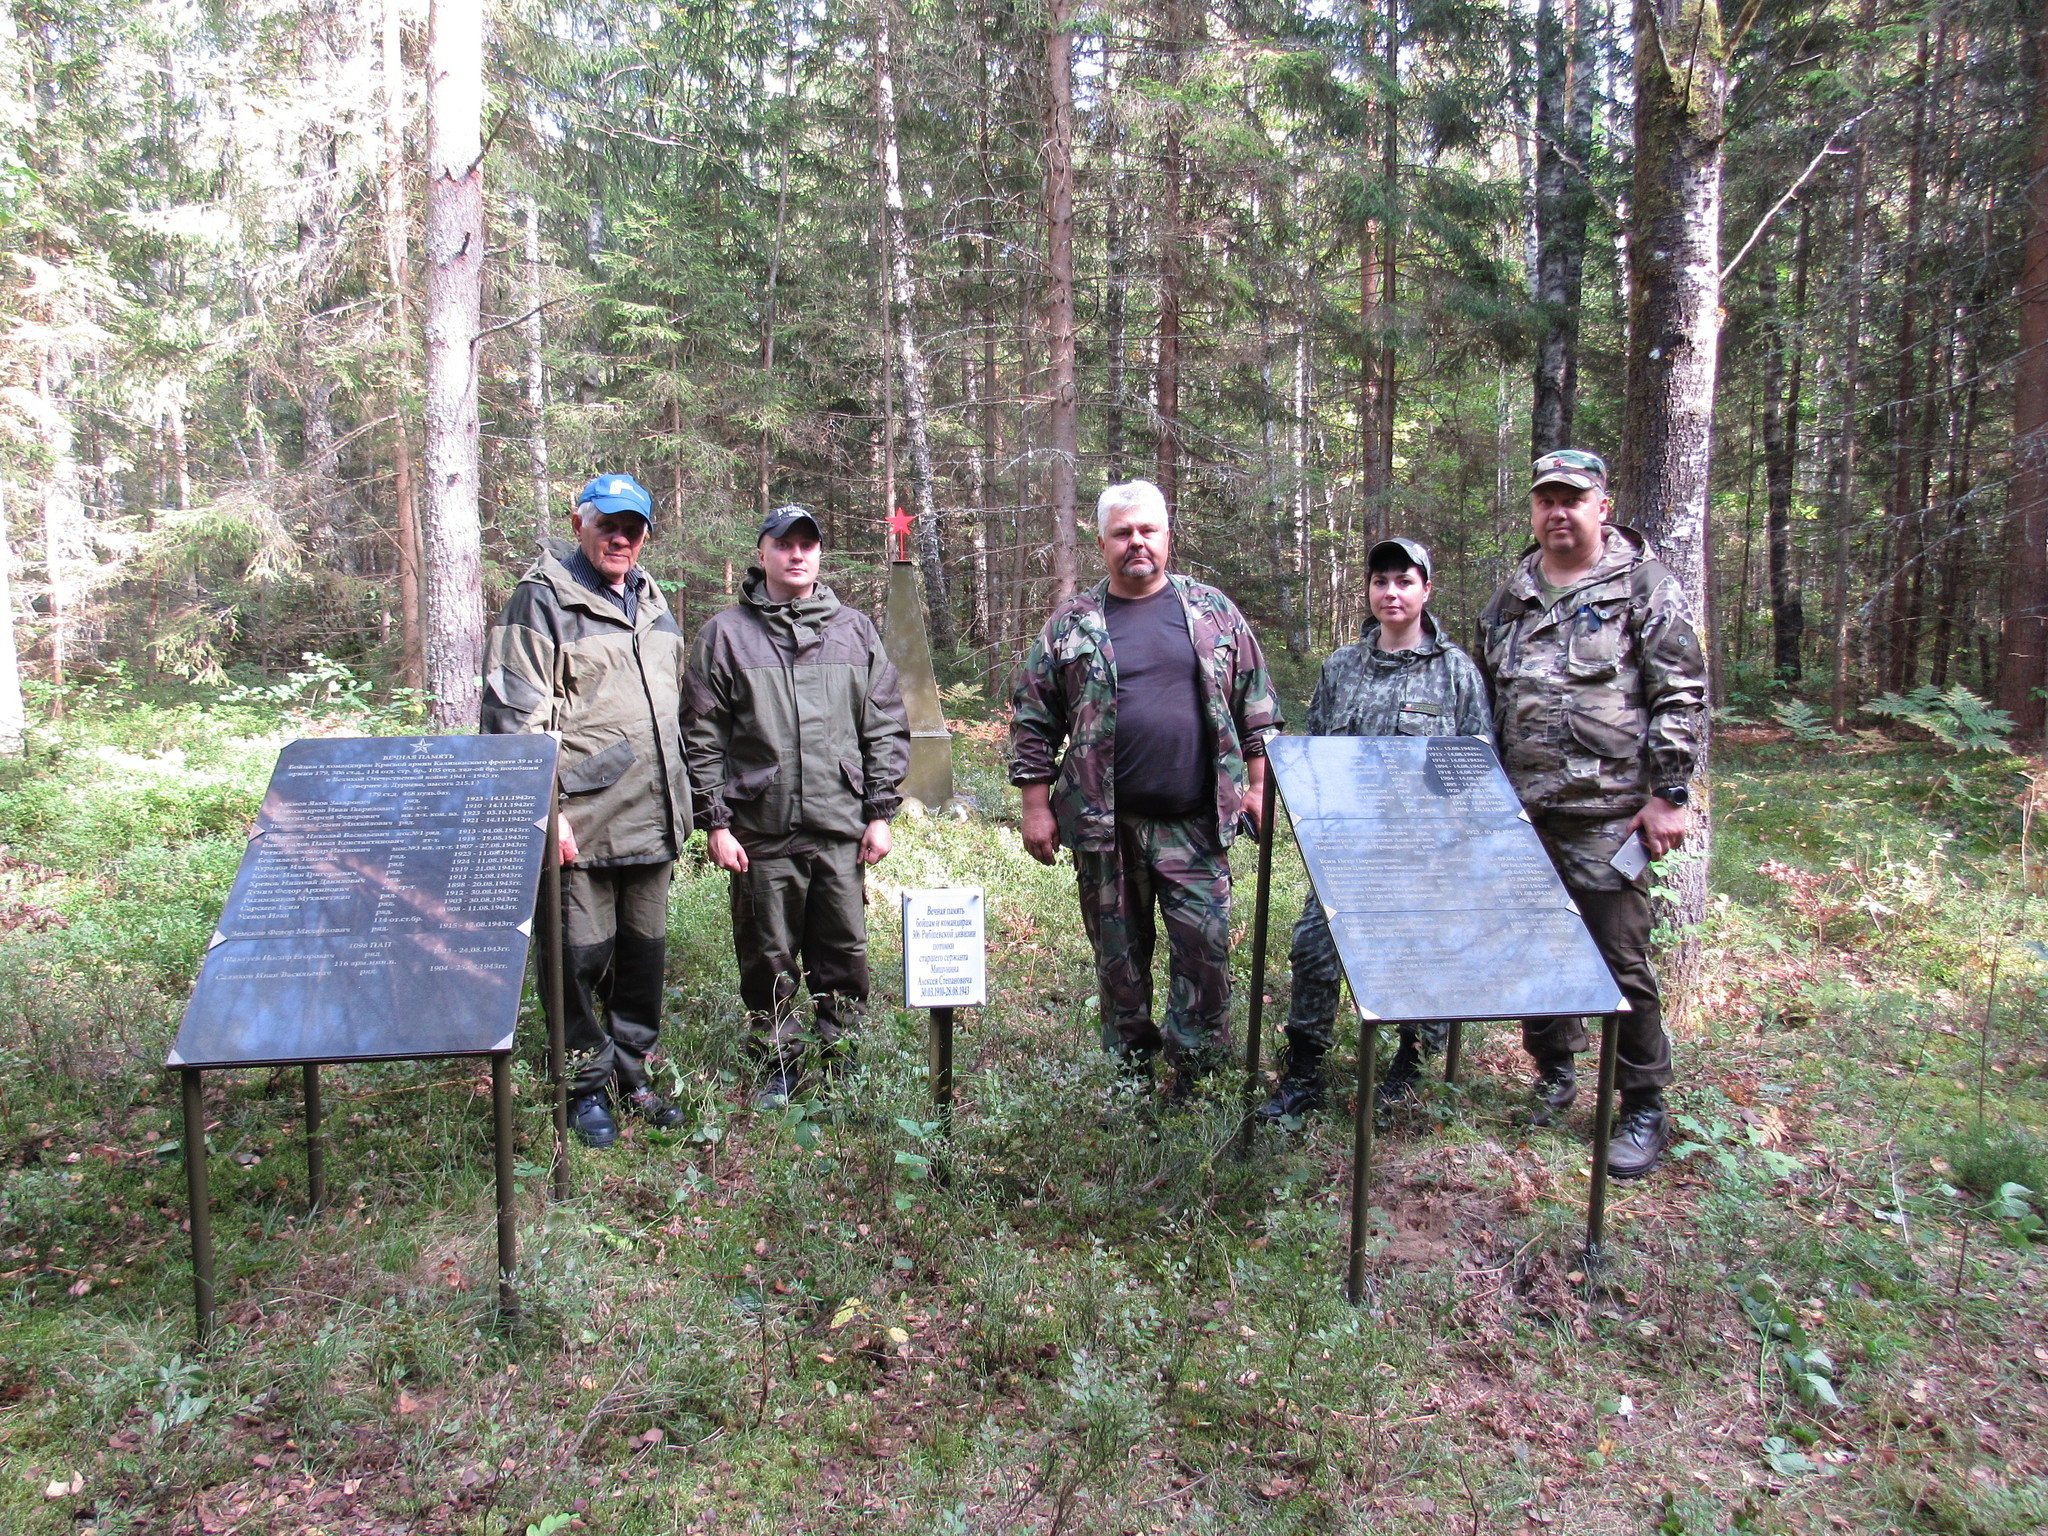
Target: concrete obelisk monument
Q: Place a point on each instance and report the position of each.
(910, 647)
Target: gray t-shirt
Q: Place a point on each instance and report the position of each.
(1164, 764)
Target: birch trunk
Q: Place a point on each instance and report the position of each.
(1681, 81)
(454, 250)
(536, 377)
(930, 551)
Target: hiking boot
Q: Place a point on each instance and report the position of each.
(590, 1116)
(778, 1090)
(1640, 1136)
(1555, 1090)
(1300, 1092)
(1404, 1074)
(654, 1109)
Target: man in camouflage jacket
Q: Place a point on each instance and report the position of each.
(1157, 688)
(587, 648)
(1599, 684)
(1402, 679)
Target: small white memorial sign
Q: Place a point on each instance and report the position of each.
(945, 964)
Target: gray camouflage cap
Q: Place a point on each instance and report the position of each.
(1574, 467)
(1418, 556)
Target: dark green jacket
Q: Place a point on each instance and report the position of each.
(563, 658)
(1066, 696)
(798, 724)
(1433, 690)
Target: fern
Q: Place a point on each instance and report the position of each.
(1954, 716)
(1806, 723)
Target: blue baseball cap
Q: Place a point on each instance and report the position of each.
(617, 493)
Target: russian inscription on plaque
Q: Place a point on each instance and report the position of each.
(1441, 900)
(383, 906)
(945, 963)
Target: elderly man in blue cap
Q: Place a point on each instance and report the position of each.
(586, 647)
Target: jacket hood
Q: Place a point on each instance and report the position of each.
(1622, 551)
(1393, 661)
(802, 621)
(551, 568)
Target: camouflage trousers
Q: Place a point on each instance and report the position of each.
(614, 931)
(1181, 866)
(802, 914)
(1312, 1009)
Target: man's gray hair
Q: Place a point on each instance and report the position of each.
(1133, 496)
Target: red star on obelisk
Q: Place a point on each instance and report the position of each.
(899, 524)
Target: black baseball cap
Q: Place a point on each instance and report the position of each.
(779, 522)
(1417, 555)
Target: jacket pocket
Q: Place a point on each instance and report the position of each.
(856, 780)
(1419, 720)
(600, 770)
(748, 785)
(1611, 739)
(1593, 641)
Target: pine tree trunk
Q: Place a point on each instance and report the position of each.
(413, 666)
(13, 714)
(454, 251)
(930, 551)
(1059, 298)
(1114, 292)
(1781, 463)
(1908, 583)
(1843, 471)
(1564, 130)
(2023, 658)
(1167, 387)
(1681, 86)
(536, 379)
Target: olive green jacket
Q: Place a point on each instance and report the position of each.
(798, 728)
(563, 658)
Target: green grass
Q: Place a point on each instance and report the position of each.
(1075, 1314)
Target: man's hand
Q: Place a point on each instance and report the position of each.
(1663, 825)
(1255, 795)
(876, 842)
(565, 839)
(1041, 828)
(726, 852)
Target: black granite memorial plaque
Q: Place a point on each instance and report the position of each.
(1441, 900)
(383, 906)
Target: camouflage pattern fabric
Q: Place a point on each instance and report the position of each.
(1182, 866)
(1433, 690)
(1066, 694)
(1597, 698)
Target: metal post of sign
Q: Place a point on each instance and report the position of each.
(1261, 913)
(1603, 1130)
(1454, 1053)
(508, 1213)
(198, 1202)
(316, 1142)
(1361, 1152)
(942, 1067)
(551, 989)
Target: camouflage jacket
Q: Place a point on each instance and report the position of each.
(1067, 695)
(1433, 690)
(1596, 698)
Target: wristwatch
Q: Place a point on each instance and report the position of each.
(1677, 794)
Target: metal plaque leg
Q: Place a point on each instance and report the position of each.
(1361, 1154)
(1262, 900)
(942, 1067)
(316, 1142)
(1603, 1128)
(508, 1214)
(551, 992)
(1454, 1053)
(198, 1202)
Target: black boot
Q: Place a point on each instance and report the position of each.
(1641, 1133)
(590, 1116)
(781, 1085)
(1301, 1083)
(1404, 1072)
(654, 1109)
(1555, 1090)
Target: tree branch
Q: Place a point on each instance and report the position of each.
(1805, 176)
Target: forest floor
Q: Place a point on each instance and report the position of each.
(1076, 1315)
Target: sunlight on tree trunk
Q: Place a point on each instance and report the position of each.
(13, 716)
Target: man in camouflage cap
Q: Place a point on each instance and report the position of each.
(1598, 684)
(1158, 690)
(1403, 678)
